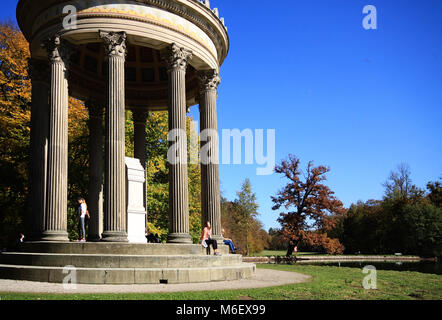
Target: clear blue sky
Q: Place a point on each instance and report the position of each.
(359, 101)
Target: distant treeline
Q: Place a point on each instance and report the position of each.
(408, 220)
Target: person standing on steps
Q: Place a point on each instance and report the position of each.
(83, 213)
(206, 239)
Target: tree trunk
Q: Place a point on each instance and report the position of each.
(247, 243)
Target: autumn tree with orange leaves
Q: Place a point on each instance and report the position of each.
(311, 207)
(15, 96)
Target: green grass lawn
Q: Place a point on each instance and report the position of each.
(328, 283)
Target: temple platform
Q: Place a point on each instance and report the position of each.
(121, 263)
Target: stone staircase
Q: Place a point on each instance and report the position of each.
(121, 263)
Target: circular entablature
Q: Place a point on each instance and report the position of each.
(151, 23)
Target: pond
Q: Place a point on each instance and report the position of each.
(420, 266)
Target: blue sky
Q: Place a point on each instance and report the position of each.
(360, 101)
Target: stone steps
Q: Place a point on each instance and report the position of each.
(127, 275)
(116, 248)
(117, 261)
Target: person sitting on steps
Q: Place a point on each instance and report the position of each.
(228, 242)
(206, 239)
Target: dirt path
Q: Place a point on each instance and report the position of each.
(263, 278)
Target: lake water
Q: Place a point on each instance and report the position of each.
(421, 266)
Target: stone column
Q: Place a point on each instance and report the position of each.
(178, 189)
(210, 193)
(40, 78)
(95, 194)
(55, 228)
(140, 146)
(115, 220)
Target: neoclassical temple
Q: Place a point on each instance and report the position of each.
(142, 55)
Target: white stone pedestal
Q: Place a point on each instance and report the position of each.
(136, 212)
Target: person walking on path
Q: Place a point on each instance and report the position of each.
(206, 239)
(83, 214)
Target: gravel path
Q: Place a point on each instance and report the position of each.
(263, 278)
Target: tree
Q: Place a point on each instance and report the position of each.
(194, 185)
(276, 240)
(157, 170)
(435, 193)
(313, 206)
(157, 183)
(406, 220)
(78, 161)
(412, 221)
(255, 240)
(248, 209)
(362, 228)
(15, 97)
(399, 184)
(422, 224)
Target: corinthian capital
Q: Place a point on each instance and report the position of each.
(115, 43)
(58, 49)
(209, 80)
(176, 57)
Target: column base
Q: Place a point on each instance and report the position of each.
(114, 236)
(183, 238)
(94, 238)
(55, 235)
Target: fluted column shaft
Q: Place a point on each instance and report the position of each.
(95, 194)
(140, 146)
(178, 180)
(115, 215)
(38, 149)
(210, 191)
(55, 228)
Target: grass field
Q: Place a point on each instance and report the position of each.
(328, 283)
